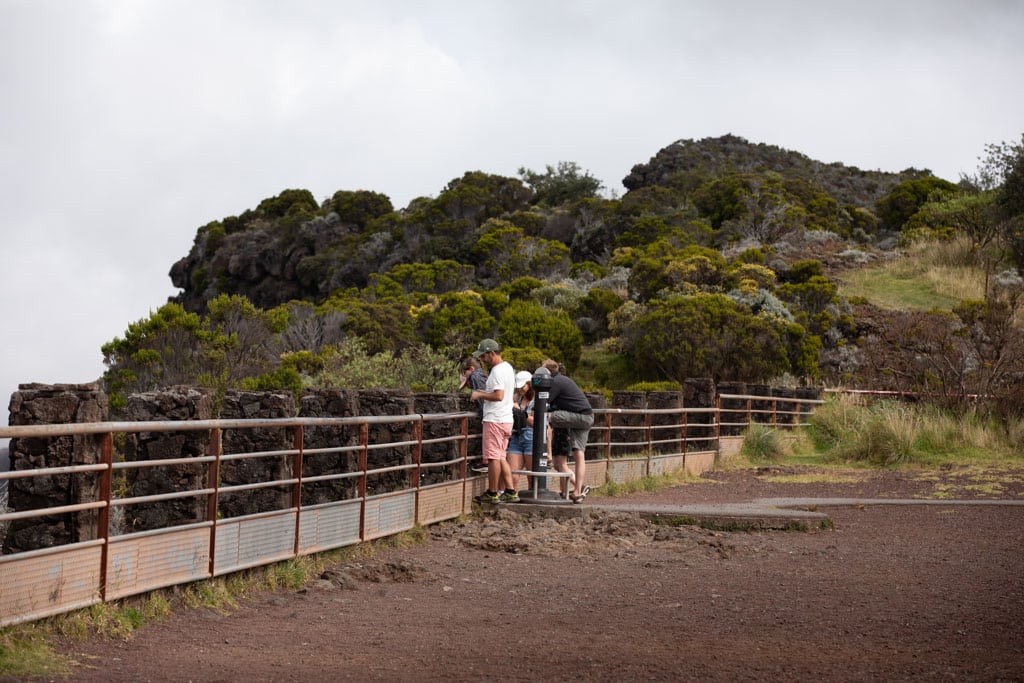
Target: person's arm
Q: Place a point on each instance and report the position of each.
(496, 395)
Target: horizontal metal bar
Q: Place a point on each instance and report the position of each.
(442, 463)
(259, 485)
(157, 497)
(53, 550)
(160, 532)
(256, 454)
(50, 471)
(46, 512)
(331, 477)
(780, 399)
(135, 464)
(20, 431)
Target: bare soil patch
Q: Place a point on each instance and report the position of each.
(893, 592)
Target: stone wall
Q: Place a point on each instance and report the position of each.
(253, 405)
(426, 403)
(701, 392)
(388, 402)
(172, 404)
(42, 404)
(631, 400)
(330, 403)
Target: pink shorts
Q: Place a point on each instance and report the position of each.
(496, 435)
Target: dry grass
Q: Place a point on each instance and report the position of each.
(927, 275)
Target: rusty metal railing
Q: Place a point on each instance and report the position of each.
(105, 560)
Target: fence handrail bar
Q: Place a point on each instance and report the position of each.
(50, 471)
(157, 497)
(133, 464)
(309, 479)
(77, 428)
(785, 399)
(47, 512)
(651, 411)
(440, 463)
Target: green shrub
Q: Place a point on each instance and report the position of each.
(762, 443)
(526, 324)
(655, 386)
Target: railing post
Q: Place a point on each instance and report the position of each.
(607, 437)
(464, 463)
(650, 444)
(103, 519)
(718, 422)
(417, 455)
(686, 435)
(298, 441)
(364, 439)
(213, 482)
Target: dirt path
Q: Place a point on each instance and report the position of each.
(894, 592)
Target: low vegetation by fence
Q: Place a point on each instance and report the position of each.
(152, 504)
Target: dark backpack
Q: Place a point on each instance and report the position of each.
(518, 420)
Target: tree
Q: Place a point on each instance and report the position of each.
(456, 318)
(896, 208)
(704, 335)
(970, 214)
(360, 207)
(477, 196)
(504, 252)
(165, 349)
(288, 202)
(561, 185)
(525, 324)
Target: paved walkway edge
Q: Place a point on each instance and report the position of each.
(762, 513)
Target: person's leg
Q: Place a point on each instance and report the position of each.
(561, 463)
(494, 444)
(581, 471)
(506, 477)
(494, 475)
(515, 462)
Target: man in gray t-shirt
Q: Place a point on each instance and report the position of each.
(569, 409)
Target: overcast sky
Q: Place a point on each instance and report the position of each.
(127, 124)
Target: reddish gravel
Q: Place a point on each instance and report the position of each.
(893, 593)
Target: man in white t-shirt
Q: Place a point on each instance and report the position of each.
(497, 423)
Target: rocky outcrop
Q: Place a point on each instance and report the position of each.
(686, 160)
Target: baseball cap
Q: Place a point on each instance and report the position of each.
(486, 346)
(523, 378)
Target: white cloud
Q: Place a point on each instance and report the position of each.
(127, 124)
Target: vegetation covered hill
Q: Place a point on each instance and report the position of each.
(724, 258)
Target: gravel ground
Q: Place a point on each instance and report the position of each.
(893, 592)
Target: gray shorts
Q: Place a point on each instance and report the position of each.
(577, 424)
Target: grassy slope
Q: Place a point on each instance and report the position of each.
(926, 276)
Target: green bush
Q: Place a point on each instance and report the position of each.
(762, 443)
(360, 207)
(705, 335)
(289, 202)
(526, 324)
(655, 386)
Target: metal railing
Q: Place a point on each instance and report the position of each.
(104, 559)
